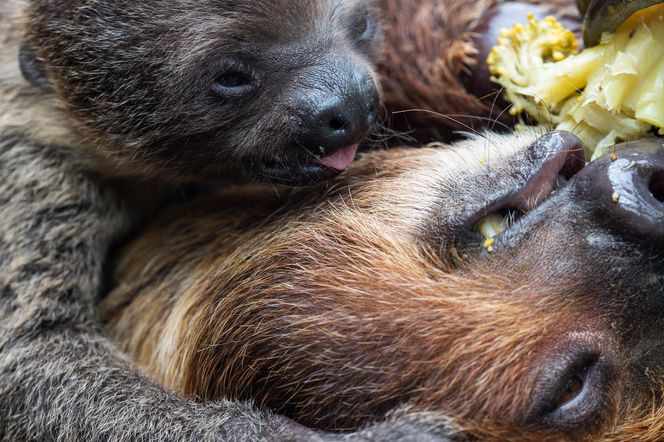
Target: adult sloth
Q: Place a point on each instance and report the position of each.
(171, 90)
(335, 306)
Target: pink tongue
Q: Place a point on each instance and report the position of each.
(341, 159)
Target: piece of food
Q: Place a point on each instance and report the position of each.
(606, 94)
(493, 225)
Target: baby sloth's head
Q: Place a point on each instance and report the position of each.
(281, 90)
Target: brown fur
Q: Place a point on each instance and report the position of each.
(347, 303)
(128, 94)
(435, 51)
(124, 80)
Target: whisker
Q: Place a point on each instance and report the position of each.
(438, 114)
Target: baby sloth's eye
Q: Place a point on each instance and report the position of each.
(364, 27)
(232, 82)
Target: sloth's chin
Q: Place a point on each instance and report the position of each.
(299, 174)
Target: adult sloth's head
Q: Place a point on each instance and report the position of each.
(334, 310)
(279, 90)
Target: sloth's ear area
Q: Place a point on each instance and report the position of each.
(32, 67)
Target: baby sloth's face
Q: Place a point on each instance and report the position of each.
(278, 90)
(379, 291)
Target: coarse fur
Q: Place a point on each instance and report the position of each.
(59, 378)
(83, 152)
(354, 298)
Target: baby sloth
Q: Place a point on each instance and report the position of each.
(336, 306)
(123, 94)
(281, 90)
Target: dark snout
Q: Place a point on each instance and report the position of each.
(626, 189)
(337, 111)
(335, 103)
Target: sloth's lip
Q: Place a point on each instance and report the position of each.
(299, 173)
(516, 207)
(310, 170)
(550, 176)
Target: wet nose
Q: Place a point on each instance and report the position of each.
(626, 188)
(334, 118)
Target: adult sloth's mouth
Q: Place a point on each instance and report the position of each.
(623, 193)
(560, 161)
(494, 224)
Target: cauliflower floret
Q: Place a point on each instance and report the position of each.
(609, 93)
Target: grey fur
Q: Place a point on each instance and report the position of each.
(60, 379)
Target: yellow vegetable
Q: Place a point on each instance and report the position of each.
(605, 94)
(490, 227)
(493, 225)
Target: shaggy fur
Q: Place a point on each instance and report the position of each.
(95, 118)
(104, 112)
(59, 378)
(348, 301)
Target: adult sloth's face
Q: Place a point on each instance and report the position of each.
(335, 310)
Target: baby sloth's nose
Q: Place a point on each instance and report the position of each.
(339, 117)
(627, 188)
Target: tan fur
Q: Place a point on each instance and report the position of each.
(338, 307)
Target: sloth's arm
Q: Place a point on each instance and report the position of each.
(60, 379)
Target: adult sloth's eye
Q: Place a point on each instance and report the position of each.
(572, 387)
(572, 390)
(232, 82)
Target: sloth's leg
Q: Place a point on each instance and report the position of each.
(60, 379)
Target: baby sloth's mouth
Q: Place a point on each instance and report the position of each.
(339, 160)
(313, 168)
